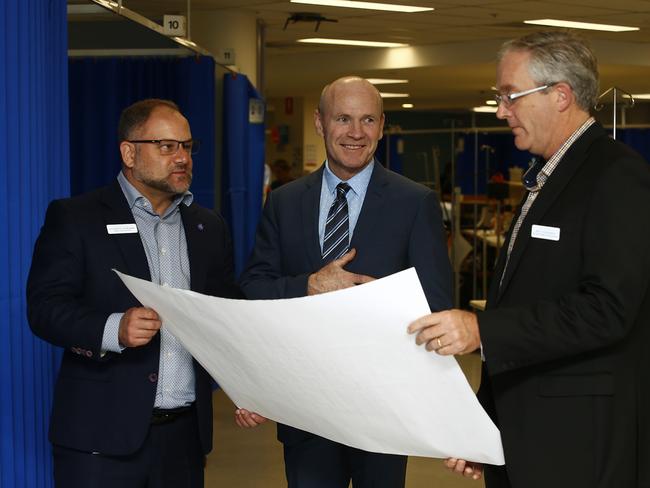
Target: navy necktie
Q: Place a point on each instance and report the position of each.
(337, 229)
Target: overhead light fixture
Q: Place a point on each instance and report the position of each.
(393, 95)
(407, 105)
(640, 96)
(490, 102)
(351, 42)
(385, 81)
(581, 25)
(485, 109)
(390, 7)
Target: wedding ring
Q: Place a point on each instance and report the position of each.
(439, 343)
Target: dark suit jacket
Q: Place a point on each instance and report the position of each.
(104, 403)
(399, 226)
(564, 338)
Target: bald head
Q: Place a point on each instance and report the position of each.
(347, 83)
(350, 118)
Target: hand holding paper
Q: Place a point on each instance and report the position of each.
(246, 419)
(449, 332)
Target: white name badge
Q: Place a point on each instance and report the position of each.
(122, 228)
(545, 232)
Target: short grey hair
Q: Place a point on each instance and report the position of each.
(560, 56)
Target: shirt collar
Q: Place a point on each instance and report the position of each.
(358, 183)
(132, 195)
(549, 166)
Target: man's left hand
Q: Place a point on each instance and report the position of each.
(246, 419)
(447, 333)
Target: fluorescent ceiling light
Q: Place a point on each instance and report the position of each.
(485, 109)
(351, 42)
(407, 105)
(390, 7)
(640, 96)
(385, 81)
(393, 95)
(490, 102)
(581, 25)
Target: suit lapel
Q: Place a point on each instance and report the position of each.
(568, 165)
(117, 211)
(371, 212)
(493, 290)
(310, 201)
(196, 234)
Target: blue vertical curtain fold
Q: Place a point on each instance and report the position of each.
(243, 164)
(34, 170)
(100, 88)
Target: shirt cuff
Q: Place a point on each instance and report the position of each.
(110, 340)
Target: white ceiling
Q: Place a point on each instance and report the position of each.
(450, 59)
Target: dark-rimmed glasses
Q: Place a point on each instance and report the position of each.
(167, 147)
(510, 98)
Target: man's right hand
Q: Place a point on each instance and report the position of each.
(246, 419)
(333, 277)
(138, 326)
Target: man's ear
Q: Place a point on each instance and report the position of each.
(318, 123)
(564, 96)
(127, 150)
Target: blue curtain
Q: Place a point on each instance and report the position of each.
(496, 153)
(34, 170)
(243, 163)
(637, 139)
(101, 88)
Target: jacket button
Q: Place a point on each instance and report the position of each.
(89, 354)
(153, 377)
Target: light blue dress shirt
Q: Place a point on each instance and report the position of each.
(163, 238)
(355, 196)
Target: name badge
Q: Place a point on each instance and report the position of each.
(545, 232)
(122, 229)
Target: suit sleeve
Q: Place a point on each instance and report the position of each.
(428, 254)
(55, 287)
(224, 257)
(264, 276)
(614, 278)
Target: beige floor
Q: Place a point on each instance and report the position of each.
(252, 458)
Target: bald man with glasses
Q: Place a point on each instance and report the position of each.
(131, 407)
(565, 334)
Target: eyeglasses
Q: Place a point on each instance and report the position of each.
(168, 147)
(510, 98)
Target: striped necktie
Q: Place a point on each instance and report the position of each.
(337, 231)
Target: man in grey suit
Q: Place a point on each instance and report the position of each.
(565, 333)
(345, 224)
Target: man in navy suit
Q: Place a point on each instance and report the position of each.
(391, 224)
(131, 407)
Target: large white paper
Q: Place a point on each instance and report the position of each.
(340, 365)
